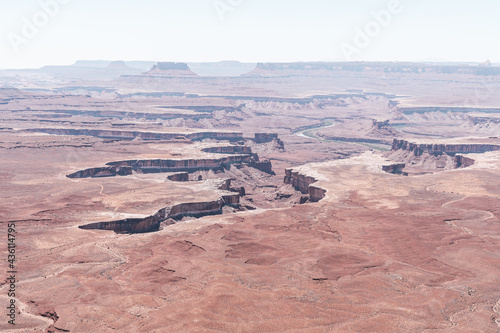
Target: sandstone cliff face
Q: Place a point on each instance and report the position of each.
(133, 114)
(119, 64)
(265, 137)
(226, 186)
(424, 158)
(229, 150)
(316, 193)
(152, 223)
(160, 165)
(463, 162)
(103, 172)
(383, 129)
(363, 140)
(172, 69)
(231, 199)
(429, 109)
(133, 226)
(179, 177)
(130, 135)
(419, 149)
(303, 184)
(229, 136)
(123, 168)
(269, 137)
(195, 209)
(333, 68)
(396, 169)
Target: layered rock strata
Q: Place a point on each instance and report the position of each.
(162, 166)
(125, 168)
(303, 183)
(269, 137)
(130, 135)
(179, 177)
(228, 150)
(264, 166)
(444, 109)
(171, 69)
(152, 223)
(103, 172)
(462, 161)
(265, 137)
(396, 169)
(450, 149)
(362, 140)
(127, 114)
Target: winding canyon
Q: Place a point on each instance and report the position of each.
(300, 197)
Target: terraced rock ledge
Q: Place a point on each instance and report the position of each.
(303, 183)
(152, 222)
(130, 135)
(125, 168)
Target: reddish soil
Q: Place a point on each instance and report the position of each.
(379, 253)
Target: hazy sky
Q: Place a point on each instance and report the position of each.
(246, 30)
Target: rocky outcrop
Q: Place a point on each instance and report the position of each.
(171, 69)
(228, 150)
(446, 109)
(206, 108)
(361, 140)
(179, 177)
(264, 166)
(197, 209)
(189, 165)
(226, 186)
(269, 137)
(229, 136)
(119, 64)
(383, 129)
(380, 124)
(316, 193)
(103, 172)
(160, 166)
(334, 68)
(123, 168)
(396, 169)
(131, 114)
(132, 226)
(303, 183)
(171, 66)
(152, 223)
(265, 137)
(232, 199)
(463, 162)
(450, 149)
(424, 158)
(130, 135)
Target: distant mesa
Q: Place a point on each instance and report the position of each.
(135, 65)
(221, 68)
(173, 69)
(91, 63)
(333, 68)
(446, 147)
(118, 65)
(165, 66)
(486, 63)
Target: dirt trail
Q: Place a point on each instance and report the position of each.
(45, 322)
(488, 215)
